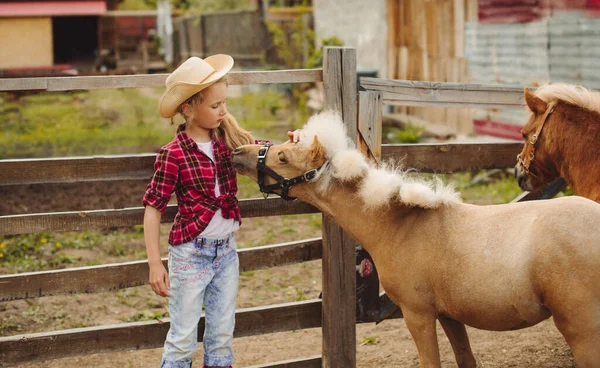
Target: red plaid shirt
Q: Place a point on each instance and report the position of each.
(181, 167)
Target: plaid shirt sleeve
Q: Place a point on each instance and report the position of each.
(162, 185)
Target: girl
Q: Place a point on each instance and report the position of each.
(196, 164)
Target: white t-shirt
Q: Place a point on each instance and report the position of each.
(219, 226)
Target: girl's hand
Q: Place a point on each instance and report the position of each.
(159, 280)
(294, 136)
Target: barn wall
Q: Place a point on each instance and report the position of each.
(561, 45)
(26, 42)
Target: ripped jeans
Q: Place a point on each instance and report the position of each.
(204, 271)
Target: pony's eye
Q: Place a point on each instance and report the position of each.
(281, 157)
(524, 136)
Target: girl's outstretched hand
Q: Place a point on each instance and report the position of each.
(294, 136)
(159, 280)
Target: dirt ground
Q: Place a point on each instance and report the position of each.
(385, 345)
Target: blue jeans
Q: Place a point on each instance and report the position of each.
(202, 271)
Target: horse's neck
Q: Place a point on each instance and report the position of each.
(576, 158)
(370, 227)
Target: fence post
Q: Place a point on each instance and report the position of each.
(369, 143)
(339, 281)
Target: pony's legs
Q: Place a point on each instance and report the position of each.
(582, 332)
(457, 334)
(422, 327)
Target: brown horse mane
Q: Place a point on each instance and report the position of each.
(573, 94)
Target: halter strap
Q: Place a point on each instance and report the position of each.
(549, 111)
(282, 183)
(534, 139)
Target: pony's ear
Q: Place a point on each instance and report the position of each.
(535, 104)
(317, 151)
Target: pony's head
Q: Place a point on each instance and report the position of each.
(280, 168)
(535, 167)
(560, 136)
(325, 157)
(285, 167)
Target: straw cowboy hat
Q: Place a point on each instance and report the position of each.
(191, 77)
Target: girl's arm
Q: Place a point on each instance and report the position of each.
(159, 278)
(156, 198)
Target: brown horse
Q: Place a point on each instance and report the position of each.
(562, 139)
(500, 267)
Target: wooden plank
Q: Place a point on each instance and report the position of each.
(76, 169)
(109, 277)
(449, 158)
(369, 141)
(369, 123)
(311, 362)
(150, 334)
(445, 94)
(152, 80)
(392, 33)
(339, 257)
(98, 219)
(459, 29)
(276, 76)
(105, 82)
(472, 9)
(23, 84)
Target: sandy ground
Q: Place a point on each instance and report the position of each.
(539, 346)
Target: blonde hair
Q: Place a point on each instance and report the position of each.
(231, 132)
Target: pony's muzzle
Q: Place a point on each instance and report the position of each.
(522, 178)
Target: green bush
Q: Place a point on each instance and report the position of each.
(410, 134)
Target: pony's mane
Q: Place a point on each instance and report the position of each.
(376, 186)
(573, 94)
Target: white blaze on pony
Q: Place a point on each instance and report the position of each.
(500, 267)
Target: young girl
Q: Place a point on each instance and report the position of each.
(196, 164)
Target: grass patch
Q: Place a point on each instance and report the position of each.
(41, 251)
(370, 340)
(80, 123)
(5, 328)
(147, 316)
(121, 121)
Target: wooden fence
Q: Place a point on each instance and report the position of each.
(335, 313)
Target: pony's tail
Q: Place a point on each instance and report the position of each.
(233, 134)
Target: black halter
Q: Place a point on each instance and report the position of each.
(282, 183)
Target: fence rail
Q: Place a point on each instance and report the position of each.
(151, 80)
(425, 157)
(150, 334)
(454, 157)
(76, 169)
(445, 94)
(99, 219)
(311, 362)
(110, 277)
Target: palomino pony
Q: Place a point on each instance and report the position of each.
(562, 139)
(500, 267)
